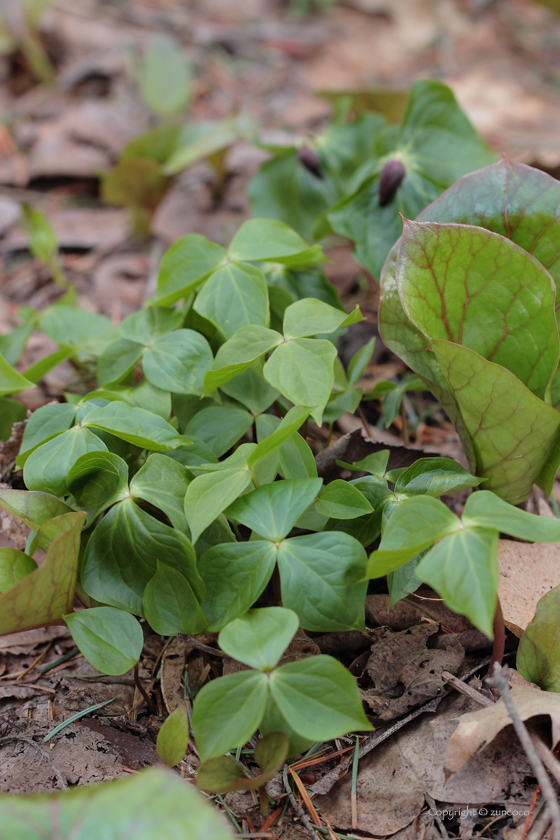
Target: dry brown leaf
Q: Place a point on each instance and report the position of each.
(478, 729)
(527, 572)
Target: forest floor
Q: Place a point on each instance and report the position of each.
(502, 60)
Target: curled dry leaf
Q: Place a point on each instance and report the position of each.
(527, 572)
(478, 729)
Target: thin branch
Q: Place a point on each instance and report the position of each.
(143, 692)
(499, 681)
(299, 811)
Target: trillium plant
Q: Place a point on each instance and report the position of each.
(175, 484)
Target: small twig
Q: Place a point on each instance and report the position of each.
(441, 826)
(58, 774)
(299, 811)
(143, 692)
(499, 681)
(35, 662)
(365, 424)
(545, 754)
(354, 796)
(467, 690)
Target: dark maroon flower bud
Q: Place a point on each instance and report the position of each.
(309, 159)
(390, 180)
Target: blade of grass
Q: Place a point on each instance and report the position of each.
(77, 716)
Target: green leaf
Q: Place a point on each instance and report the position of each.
(37, 371)
(122, 554)
(435, 477)
(173, 737)
(227, 712)
(512, 431)
(48, 466)
(274, 721)
(463, 569)
(163, 483)
(341, 500)
(476, 288)
(322, 578)
(224, 773)
(272, 511)
(70, 326)
(319, 697)
(235, 296)
(170, 605)
(155, 803)
(178, 362)
(118, 360)
(149, 325)
(251, 389)
(267, 239)
(211, 137)
(185, 266)
(45, 423)
(539, 648)
(208, 495)
(111, 640)
(260, 637)
(13, 344)
(220, 427)
(164, 78)
(293, 420)
(14, 566)
(98, 480)
(417, 523)
(302, 370)
(375, 464)
(235, 574)
(403, 581)
(45, 595)
(485, 510)
(360, 361)
(297, 459)
(135, 425)
(236, 355)
(310, 316)
(11, 411)
(11, 382)
(32, 507)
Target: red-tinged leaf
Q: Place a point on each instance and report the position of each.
(44, 596)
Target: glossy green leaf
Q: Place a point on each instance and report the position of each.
(111, 640)
(375, 464)
(227, 712)
(37, 371)
(539, 649)
(185, 266)
(98, 480)
(135, 425)
(310, 316)
(149, 325)
(417, 523)
(297, 459)
(208, 495)
(302, 370)
(48, 466)
(70, 326)
(234, 296)
(287, 427)
(220, 427)
(486, 510)
(463, 569)
(11, 382)
(178, 361)
(236, 355)
(118, 360)
(512, 431)
(163, 483)
(322, 578)
(235, 574)
(260, 637)
(251, 389)
(170, 605)
(360, 361)
(476, 288)
(32, 507)
(14, 566)
(122, 554)
(274, 721)
(403, 581)
(266, 239)
(435, 477)
(173, 737)
(45, 423)
(154, 803)
(319, 697)
(272, 511)
(341, 500)
(164, 77)
(47, 594)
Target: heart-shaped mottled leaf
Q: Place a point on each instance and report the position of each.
(235, 574)
(538, 656)
(260, 637)
(111, 640)
(47, 594)
(173, 737)
(473, 287)
(514, 434)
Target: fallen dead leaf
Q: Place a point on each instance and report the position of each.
(412, 610)
(478, 729)
(527, 572)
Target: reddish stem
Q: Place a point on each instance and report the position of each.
(499, 638)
